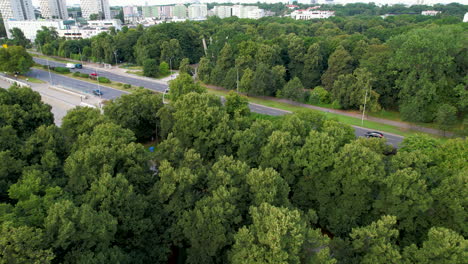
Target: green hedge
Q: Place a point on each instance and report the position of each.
(84, 75)
(103, 80)
(61, 70)
(77, 74)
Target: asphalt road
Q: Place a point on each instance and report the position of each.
(86, 87)
(110, 93)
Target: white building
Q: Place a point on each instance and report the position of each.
(222, 11)
(256, 13)
(51, 9)
(307, 14)
(30, 27)
(430, 13)
(465, 18)
(17, 10)
(252, 12)
(81, 33)
(116, 23)
(197, 11)
(89, 7)
(131, 14)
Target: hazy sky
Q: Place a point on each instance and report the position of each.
(162, 2)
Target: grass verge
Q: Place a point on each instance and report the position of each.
(341, 118)
(30, 79)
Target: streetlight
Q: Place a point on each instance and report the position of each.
(115, 54)
(164, 93)
(364, 109)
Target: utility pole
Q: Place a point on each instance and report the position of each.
(115, 54)
(237, 79)
(364, 109)
(48, 67)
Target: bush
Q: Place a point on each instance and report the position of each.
(164, 69)
(62, 70)
(336, 105)
(103, 80)
(77, 74)
(84, 75)
(150, 68)
(319, 95)
(127, 86)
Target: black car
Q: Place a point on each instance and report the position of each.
(97, 92)
(373, 134)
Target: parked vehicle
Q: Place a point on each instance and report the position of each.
(79, 66)
(373, 134)
(97, 92)
(70, 66)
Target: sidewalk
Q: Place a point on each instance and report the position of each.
(61, 102)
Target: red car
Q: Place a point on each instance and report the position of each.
(93, 74)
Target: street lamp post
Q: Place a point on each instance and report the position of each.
(115, 54)
(364, 109)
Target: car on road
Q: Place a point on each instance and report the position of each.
(373, 134)
(93, 74)
(70, 65)
(79, 66)
(97, 92)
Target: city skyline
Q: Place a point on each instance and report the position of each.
(167, 2)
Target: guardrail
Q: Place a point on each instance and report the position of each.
(14, 81)
(69, 90)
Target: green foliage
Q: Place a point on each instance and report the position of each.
(319, 96)
(236, 104)
(137, 112)
(184, 66)
(182, 85)
(293, 90)
(446, 116)
(127, 86)
(150, 68)
(15, 59)
(164, 69)
(61, 69)
(103, 79)
(18, 38)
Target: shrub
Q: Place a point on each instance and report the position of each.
(150, 68)
(164, 69)
(127, 86)
(84, 75)
(319, 95)
(77, 74)
(103, 80)
(336, 104)
(62, 70)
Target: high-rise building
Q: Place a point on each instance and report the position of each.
(180, 11)
(131, 13)
(198, 11)
(17, 10)
(222, 11)
(54, 9)
(99, 7)
(166, 11)
(150, 11)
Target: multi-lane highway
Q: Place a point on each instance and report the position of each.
(110, 93)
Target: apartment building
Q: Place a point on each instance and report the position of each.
(100, 7)
(17, 10)
(53, 9)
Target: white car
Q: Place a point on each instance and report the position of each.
(70, 65)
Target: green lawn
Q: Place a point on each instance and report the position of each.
(343, 119)
(30, 79)
(50, 58)
(139, 73)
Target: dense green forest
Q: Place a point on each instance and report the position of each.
(223, 186)
(413, 64)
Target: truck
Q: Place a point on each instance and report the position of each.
(74, 66)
